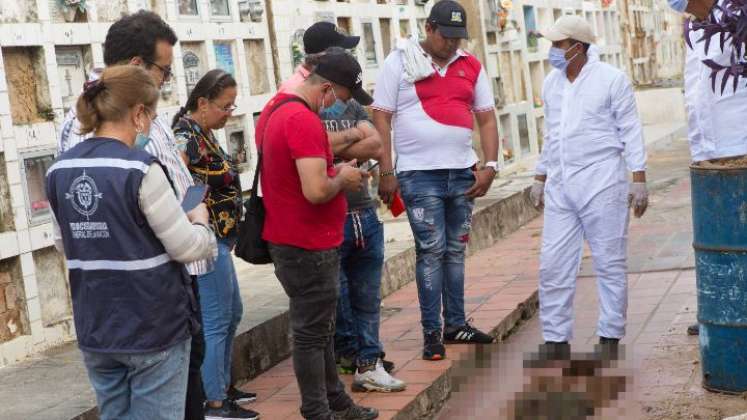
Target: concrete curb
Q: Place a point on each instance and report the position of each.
(432, 399)
(269, 343)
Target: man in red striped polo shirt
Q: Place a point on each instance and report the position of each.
(429, 93)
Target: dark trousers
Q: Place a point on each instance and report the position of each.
(194, 407)
(310, 279)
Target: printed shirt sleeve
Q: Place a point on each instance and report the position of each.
(386, 92)
(306, 136)
(484, 100)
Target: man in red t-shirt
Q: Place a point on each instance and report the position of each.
(305, 212)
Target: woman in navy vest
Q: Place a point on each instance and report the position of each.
(126, 239)
(209, 106)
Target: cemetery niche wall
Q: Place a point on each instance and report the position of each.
(48, 50)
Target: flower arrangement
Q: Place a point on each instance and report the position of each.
(728, 22)
(74, 4)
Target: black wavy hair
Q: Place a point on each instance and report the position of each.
(136, 35)
(210, 86)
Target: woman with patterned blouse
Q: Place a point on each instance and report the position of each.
(208, 108)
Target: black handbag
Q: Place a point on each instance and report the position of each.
(250, 246)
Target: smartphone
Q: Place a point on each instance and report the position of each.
(194, 196)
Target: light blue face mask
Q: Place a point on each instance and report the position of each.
(334, 111)
(678, 5)
(557, 58)
(141, 140)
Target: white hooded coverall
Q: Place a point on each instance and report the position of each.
(592, 131)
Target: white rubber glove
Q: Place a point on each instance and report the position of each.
(537, 194)
(638, 198)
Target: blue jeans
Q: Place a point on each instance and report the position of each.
(221, 307)
(441, 218)
(362, 259)
(148, 386)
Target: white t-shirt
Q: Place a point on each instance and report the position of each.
(433, 117)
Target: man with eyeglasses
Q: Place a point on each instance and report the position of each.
(144, 39)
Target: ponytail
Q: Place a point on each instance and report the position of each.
(182, 112)
(110, 98)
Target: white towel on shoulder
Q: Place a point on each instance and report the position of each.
(417, 64)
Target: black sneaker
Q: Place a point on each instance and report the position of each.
(693, 329)
(240, 397)
(356, 412)
(388, 366)
(467, 335)
(433, 347)
(229, 411)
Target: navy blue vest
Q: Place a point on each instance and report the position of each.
(128, 295)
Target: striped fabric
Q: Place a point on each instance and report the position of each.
(133, 265)
(162, 145)
(95, 163)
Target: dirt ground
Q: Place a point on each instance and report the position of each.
(694, 402)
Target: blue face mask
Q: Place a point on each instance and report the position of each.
(334, 111)
(141, 140)
(558, 60)
(678, 5)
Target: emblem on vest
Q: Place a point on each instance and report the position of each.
(84, 195)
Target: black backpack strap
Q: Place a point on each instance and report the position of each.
(255, 182)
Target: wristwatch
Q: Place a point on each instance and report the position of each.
(383, 174)
(491, 164)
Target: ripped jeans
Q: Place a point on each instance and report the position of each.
(440, 217)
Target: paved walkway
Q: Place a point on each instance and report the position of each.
(660, 373)
(501, 280)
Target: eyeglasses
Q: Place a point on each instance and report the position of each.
(228, 108)
(167, 72)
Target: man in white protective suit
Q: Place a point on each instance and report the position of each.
(593, 137)
(715, 119)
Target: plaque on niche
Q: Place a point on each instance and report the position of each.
(236, 139)
(18, 12)
(323, 16)
(73, 67)
(296, 47)
(194, 61)
(251, 10)
(224, 57)
(237, 143)
(35, 166)
(219, 8)
(188, 7)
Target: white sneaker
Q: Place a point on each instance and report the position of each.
(377, 380)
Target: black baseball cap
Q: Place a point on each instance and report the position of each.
(341, 68)
(322, 35)
(450, 18)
